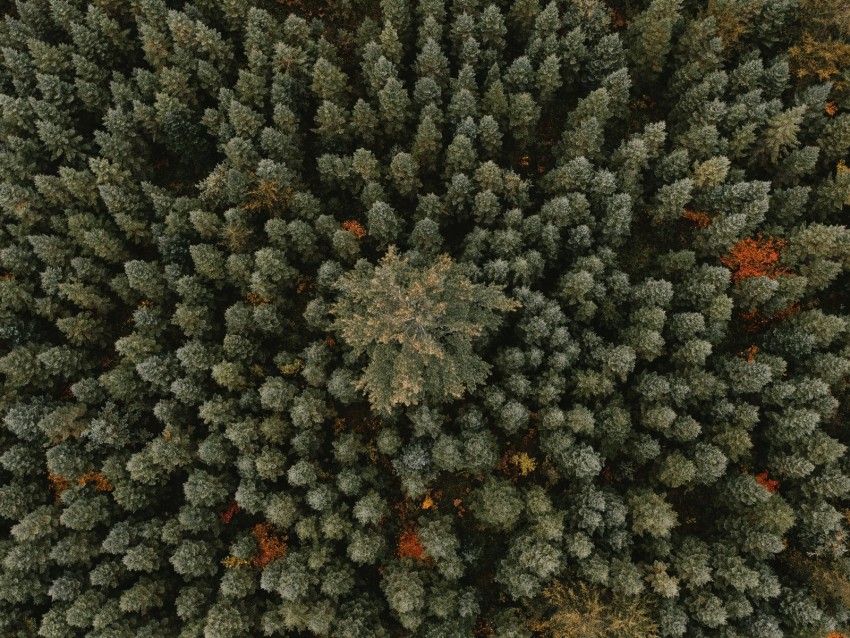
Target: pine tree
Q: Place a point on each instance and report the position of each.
(416, 327)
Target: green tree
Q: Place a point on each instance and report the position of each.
(650, 34)
(416, 326)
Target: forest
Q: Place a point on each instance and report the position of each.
(424, 318)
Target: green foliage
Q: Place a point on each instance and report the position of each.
(366, 318)
(416, 327)
(583, 611)
(497, 504)
(651, 33)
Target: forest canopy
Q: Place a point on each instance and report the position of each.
(424, 318)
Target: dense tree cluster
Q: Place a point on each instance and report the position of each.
(433, 318)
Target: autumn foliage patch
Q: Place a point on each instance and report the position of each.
(771, 485)
(409, 545)
(756, 257)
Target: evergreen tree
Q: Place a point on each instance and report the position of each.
(416, 327)
(440, 319)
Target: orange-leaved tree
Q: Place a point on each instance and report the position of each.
(409, 545)
(272, 546)
(227, 514)
(771, 485)
(699, 218)
(354, 227)
(756, 257)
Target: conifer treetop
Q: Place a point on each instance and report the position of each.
(416, 326)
